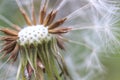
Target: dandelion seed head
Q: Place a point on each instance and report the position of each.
(38, 43)
(33, 34)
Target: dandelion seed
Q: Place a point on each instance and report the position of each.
(105, 6)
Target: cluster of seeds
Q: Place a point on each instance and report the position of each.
(32, 34)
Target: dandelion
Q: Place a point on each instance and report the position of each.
(38, 45)
(87, 29)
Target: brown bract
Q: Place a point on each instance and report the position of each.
(10, 45)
